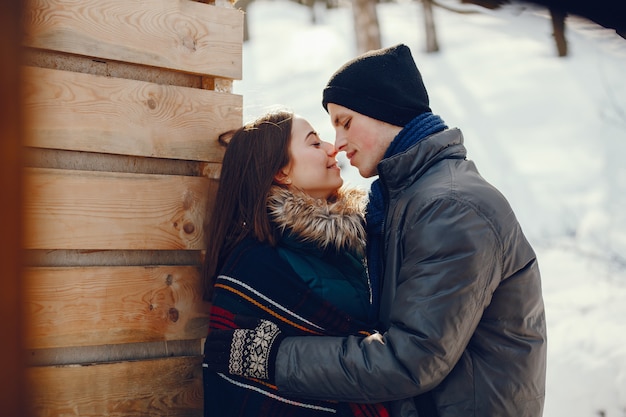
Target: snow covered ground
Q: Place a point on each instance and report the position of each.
(549, 132)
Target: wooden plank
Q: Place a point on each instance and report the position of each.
(163, 387)
(68, 209)
(83, 306)
(181, 35)
(84, 112)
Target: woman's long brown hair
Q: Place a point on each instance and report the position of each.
(255, 153)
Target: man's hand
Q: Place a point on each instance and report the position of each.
(249, 351)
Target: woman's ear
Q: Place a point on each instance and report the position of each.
(282, 177)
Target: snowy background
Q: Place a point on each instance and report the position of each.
(549, 132)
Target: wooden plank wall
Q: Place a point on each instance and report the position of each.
(124, 100)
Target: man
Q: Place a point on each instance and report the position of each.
(455, 283)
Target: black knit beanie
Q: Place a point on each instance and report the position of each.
(383, 84)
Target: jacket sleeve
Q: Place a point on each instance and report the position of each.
(449, 265)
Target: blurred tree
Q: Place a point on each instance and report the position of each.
(243, 6)
(610, 14)
(366, 28)
(310, 4)
(429, 23)
(558, 30)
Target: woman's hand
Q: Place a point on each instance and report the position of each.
(248, 351)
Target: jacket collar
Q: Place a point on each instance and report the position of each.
(400, 170)
(334, 224)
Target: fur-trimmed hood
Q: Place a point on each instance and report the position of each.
(335, 223)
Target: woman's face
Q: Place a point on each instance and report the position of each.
(313, 168)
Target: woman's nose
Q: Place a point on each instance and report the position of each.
(330, 149)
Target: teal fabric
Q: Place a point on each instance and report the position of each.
(338, 277)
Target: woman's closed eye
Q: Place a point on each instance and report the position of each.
(314, 139)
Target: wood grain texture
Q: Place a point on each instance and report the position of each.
(163, 387)
(84, 306)
(181, 35)
(92, 113)
(67, 209)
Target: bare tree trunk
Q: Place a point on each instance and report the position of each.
(558, 30)
(243, 6)
(310, 4)
(366, 26)
(429, 22)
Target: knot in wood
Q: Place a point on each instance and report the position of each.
(189, 228)
(173, 315)
(189, 43)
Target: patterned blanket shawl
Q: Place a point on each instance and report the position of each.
(278, 296)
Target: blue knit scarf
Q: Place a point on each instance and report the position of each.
(422, 126)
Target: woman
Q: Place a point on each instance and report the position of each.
(284, 243)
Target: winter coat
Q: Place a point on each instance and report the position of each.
(322, 245)
(461, 299)
(324, 242)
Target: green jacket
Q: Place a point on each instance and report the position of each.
(323, 241)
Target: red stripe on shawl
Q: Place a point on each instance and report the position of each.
(369, 410)
(221, 318)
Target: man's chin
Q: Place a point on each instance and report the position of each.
(366, 174)
(363, 172)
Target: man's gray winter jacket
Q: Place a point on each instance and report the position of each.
(461, 301)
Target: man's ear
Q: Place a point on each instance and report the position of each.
(282, 177)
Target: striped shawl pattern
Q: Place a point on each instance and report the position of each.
(257, 282)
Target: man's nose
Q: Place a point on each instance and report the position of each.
(340, 142)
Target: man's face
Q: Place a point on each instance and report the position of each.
(363, 139)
